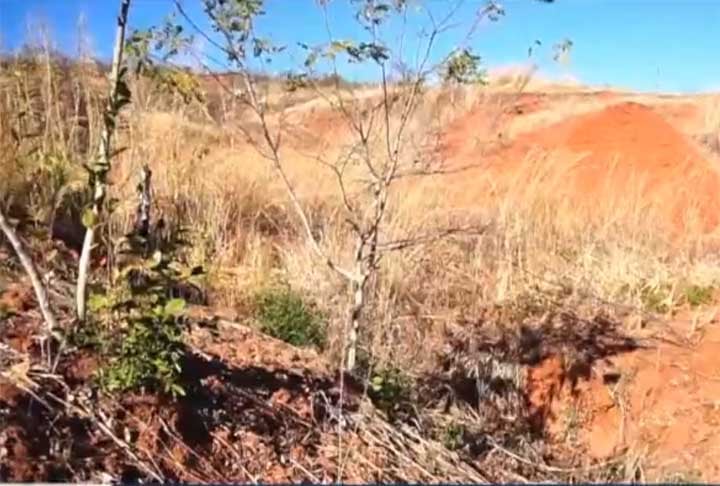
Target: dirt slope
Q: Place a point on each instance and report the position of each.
(624, 151)
(659, 401)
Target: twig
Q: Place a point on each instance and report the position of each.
(545, 467)
(100, 422)
(429, 238)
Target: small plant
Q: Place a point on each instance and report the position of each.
(683, 477)
(464, 67)
(142, 323)
(390, 390)
(453, 436)
(283, 314)
(90, 335)
(149, 353)
(573, 422)
(5, 312)
(656, 298)
(697, 295)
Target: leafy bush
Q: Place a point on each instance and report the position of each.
(453, 436)
(149, 353)
(656, 298)
(283, 314)
(390, 390)
(142, 326)
(697, 295)
(5, 312)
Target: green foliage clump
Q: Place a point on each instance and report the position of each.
(149, 352)
(697, 295)
(283, 314)
(390, 390)
(453, 436)
(656, 298)
(5, 312)
(140, 324)
(464, 67)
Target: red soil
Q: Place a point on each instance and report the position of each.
(624, 149)
(662, 404)
(660, 401)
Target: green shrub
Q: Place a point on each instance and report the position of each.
(697, 295)
(149, 353)
(390, 390)
(141, 326)
(283, 314)
(656, 298)
(453, 436)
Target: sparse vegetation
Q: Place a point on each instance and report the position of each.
(391, 390)
(141, 325)
(454, 436)
(698, 295)
(283, 314)
(382, 251)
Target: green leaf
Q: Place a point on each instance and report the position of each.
(377, 383)
(175, 307)
(464, 67)
(97, 302)
(311, 59)
(89, 218)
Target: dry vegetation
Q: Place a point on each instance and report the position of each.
(543, 277)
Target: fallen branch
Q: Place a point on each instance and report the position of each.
(40, 291)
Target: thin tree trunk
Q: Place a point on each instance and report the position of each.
(354, 316)
(103, 164)
(27, 263)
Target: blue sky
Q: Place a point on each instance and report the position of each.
(648, 45)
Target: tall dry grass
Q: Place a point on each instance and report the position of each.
(537, 245)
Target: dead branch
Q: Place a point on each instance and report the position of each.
(41, 293)
(403, 244)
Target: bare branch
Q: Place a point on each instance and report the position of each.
(40, 291)
(405, 243)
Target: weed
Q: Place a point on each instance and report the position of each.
(573, 423)
(90, 335)
(149, 353)
(656, 298)
(697, 295)
(5, 312)
(390, 390)
(146, 348)
(683, 477)
(283, 314)
(453, 436)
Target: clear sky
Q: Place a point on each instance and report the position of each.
(664, 45)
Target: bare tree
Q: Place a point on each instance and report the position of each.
(117, 98)
(382, 151)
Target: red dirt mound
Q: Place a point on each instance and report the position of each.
(473, 135)
(610, 155)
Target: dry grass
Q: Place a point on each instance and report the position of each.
(208, 179)
(537, 246)
(537, 241)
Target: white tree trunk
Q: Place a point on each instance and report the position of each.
(358, 291)
(100, 182)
